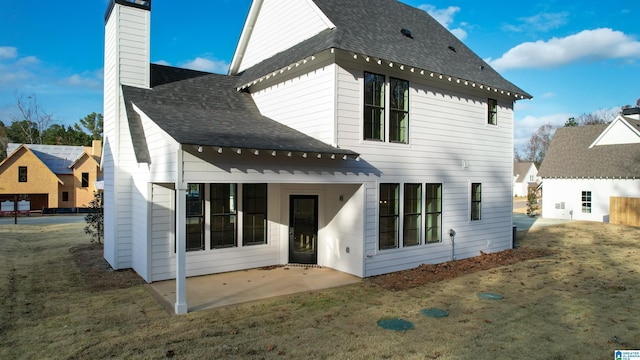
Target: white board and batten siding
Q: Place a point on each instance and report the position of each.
(451, 143)
(126, 62)
(562, 198)
(272, 34)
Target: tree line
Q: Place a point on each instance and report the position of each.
(35, 126)
(538, 144)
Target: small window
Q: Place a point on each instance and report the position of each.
(388, 216)
(412, 221)
(586, 202)
(399, 111)
(433, 213)
(492, 115)
(85, 180)
(254, 214)
(373, 106)
(476, 201)
(22, 174)
(65, 196)
(223, 216)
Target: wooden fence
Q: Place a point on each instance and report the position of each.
(624, 211)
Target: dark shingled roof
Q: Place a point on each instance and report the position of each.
(520, 169)
(373, 28)
(569, 156)
(199, 108)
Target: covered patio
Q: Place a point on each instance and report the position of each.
(237, 287)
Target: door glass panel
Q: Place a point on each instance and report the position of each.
(303, 232)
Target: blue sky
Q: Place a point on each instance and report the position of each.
(574, 57)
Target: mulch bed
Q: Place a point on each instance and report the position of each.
(425, 274)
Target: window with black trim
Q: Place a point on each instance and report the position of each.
(195, 217)
(65, 196)
(254, 214)
(586, 202)
(399, 111)
(476, 201)
(433, 213)
(85, 180)
(224, 218)
(22, 174)
(412, 217)
(389, 216)
(492, 112)
(374, 106)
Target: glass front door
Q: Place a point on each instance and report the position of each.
(303, 229)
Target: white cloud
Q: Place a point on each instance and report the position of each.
(83, 81)
(524, 128)
(445, 18)
(601, 43)
(162, 62)
(8, 52)
(204, 64)
(539, 22)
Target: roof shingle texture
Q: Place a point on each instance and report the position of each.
(206, 109)
(373, 28)
(569, 156)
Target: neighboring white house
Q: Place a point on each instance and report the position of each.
(525, 176)
(586, 165)
(351, 144)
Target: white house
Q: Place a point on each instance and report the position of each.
(586, 165)
(525, 175)
(355, 145)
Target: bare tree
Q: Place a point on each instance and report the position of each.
(603, 116)
(31, 118)
(538, 144)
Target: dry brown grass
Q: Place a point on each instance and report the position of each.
(579, 302)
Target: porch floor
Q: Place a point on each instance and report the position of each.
(211, 291)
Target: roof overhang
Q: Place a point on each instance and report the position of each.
(453, 80)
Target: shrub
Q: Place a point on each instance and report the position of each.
(95, 218)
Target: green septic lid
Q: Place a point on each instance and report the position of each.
(490, 296)
(434, 313)
(395, 324)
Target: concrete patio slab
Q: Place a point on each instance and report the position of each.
(211, 291)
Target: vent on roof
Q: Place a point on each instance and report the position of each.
(452, 48)
(407, 33)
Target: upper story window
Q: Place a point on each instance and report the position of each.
(399, 111)
(85, 180)
(22, 174)
(492, 113)
(376, 110)
(373, 106)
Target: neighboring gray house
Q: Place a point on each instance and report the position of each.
(525, 176)
(586, 165)
(352, 134)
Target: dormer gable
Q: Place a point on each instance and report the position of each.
(273, 26)
(620, 131)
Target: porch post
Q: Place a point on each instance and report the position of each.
(181, 248)
(181, 241)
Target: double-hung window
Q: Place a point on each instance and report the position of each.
(412, 221)
(224, 218)
(374, 106)
(476, 201)
(586, 202)
(433, 199)
(399, 111)
(389, 215)
(254, 214)
(492, 113)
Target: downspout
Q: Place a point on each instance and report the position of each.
(181, 238)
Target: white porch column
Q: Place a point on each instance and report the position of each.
(181, 241)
